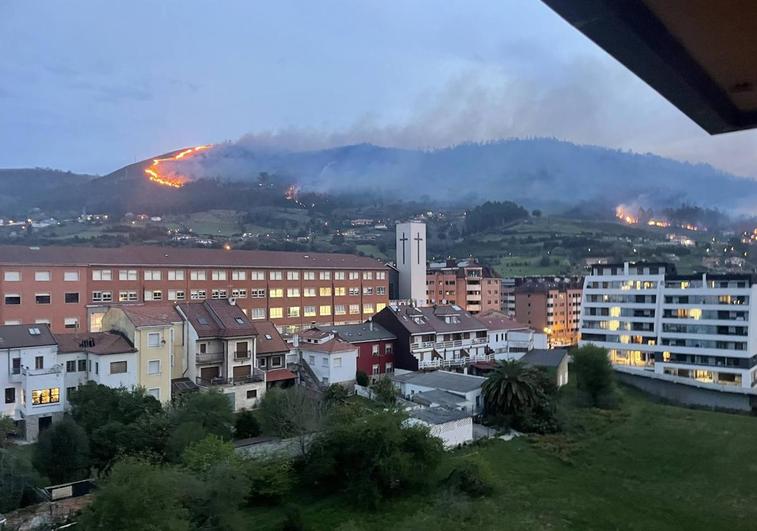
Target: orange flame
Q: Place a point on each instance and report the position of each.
(173, 181)
(625, 216)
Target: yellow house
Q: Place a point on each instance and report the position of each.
(156, 331)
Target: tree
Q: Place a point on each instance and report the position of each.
(509, 389)
(62, 452)
(206, 453)
(373, 457)
(246, 425)
(212, 410)
(385, 391)
(493, 214)
(291, 412)
(335, 394)
(270, 479)
(545, 261)
(595, 379)
(93, 405)
(7, 428)
(17, 481)
(361, 378)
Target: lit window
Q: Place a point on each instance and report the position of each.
(325, 292)
(325, 310)
(276, 313)
(45, 396)
(276, 293)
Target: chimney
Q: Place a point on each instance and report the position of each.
(370, 325)
(232, 301)
(296, 340)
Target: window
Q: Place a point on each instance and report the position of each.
(12, 322)
(257, 293)
(338, 275)
(218, 274)
(293, 311)
(127, 274)
(12, 299)
(238, 275)
(308, 275)
(71, 276)
(324, 362)
(388, 348)
(324, 292)
(354, 291)
(375, 369)
(276, 313)
(153, 367)
(176, 295)
(218, 294)
(380, 290)
(152, 274)
(325, 310)
(257, 275)
(102, 296)
(275, 361)
(102, 274)
(154, 392)
(339, 292)
(127, 296)
(375, 349)
(309, 292)
(389, 367)
(10, 395)
(153, 295)
(71, 366)
(367, 291)
(309, 311)
(293, 292)
(42, 276)
(325, 275)
(70, 322)
(197, 294)
(276, 293)
(176, 274)
(71, 298)
(258, 313)
(241, 350)
(197, 274)
(368, 275)
(380, 275)
(261, 362)
(252, 393)
(69, 390)
(153, 339)
(274, 275)
(293, 275)
(117, 367)
(354, 275)
(81, 365)
(42, 298)
(340, 309)
(46, 396)
(239, 293)
(42, 321)
(337, 362)
(354, 309)
(12, 276)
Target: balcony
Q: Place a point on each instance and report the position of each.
(242, 355)
(55, 369)
(456, 362)
(256, 376)
(474, 297)
(209, 358)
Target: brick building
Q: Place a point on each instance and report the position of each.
(467, 284)
(68, 287)
(375, 346)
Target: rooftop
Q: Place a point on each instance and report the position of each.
(269, 340)
(179, 257)
(437, 415)
(433, 319)
(101, 343)
(437, 396)
(360, 333)
(150, 314)
(218, 318)
(544, 358)
(497, 320)
(20, 336)
(445, 380)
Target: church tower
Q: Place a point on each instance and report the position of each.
(411, 261)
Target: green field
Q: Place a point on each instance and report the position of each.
(646, 466)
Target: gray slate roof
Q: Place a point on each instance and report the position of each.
(19, 336)
(431, 319)
(447, 381)
(438, 415)
(544, 358)
(360, 333)
(437, 396)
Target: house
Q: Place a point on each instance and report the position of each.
(106, 358)
(464, 386)
(156, 331)
(331, 358)
(375, 346)
(434, 337)
(220, 341)
(453, 427)
(33, 384)
(554, 361)
(273, 355)
(509, 339)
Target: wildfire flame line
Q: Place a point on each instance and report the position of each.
(153, 172)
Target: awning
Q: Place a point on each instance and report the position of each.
(277, 375)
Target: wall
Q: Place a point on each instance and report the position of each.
(452, 433)
(328, 370)
(239, 393)
(366, 359)
(127, 379)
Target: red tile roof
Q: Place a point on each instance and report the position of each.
(273, 345)
(150, 314)
(496, 320)
(97, 343)
(180, 257)
(332, 345)
(276, 375)
(218, 318)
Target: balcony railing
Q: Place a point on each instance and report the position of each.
(242, 355)
(55, 369)
(456, 362)
(256, 376)
(205, 358)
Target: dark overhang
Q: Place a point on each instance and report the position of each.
(699, 54)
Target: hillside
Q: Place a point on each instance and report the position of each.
(27, 186)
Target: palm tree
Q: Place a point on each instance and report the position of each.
(510, 389)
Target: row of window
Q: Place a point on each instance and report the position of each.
(313, 311)
(200, 274)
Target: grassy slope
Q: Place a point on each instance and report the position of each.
(647, 466)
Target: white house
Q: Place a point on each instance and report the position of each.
(507, 338)
(452, 427)
(332, 359)
(32, 381)
(465, 386)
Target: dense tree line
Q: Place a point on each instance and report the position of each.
(491, 215)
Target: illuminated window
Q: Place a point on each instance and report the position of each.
(276, 313)
(325, 292)
(45, 396)
(325, 310)
(275, 293)
(340, 292)
(293, 292)
(293, 311)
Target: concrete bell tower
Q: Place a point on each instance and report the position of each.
(411, 261)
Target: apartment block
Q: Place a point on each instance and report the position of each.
(693, 328)
(66, 287)
(467, 284)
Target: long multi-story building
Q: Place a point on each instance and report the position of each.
(67, 287)
(552, 305)
(700, 327)
(467, 284)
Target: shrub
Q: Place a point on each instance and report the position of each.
(270, 479)
(62, 452)
(335, 394)
(471, 478)
(362, 379)
(384, 391)
(595, 379)
(293, 520)
(246, 425)
(206, 453)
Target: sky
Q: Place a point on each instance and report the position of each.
(90, 86)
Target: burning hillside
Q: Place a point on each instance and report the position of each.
(685, 217)
(166, 176)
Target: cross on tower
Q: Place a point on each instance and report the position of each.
(418, 239)
(403, 240)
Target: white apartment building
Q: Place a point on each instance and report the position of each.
(331, 358)
(700, 327)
